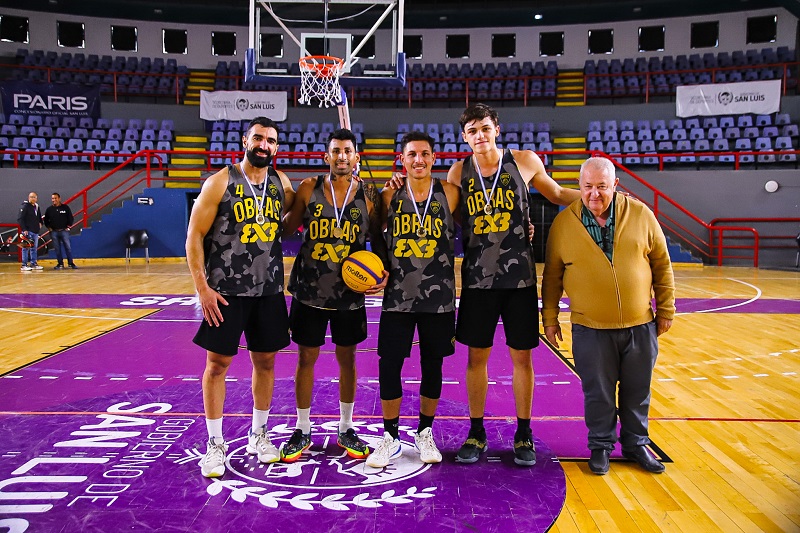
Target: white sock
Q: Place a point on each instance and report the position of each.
(259, 419)
(346, 416)
(304, 420)
(214, 428)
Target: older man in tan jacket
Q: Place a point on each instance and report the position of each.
(609, 254)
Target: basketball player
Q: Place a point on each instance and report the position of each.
(233, 248)
(336, 211)
(420, 219)
(498, 273)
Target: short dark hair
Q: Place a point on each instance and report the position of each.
(55, 194)
(478, 112)
(415, 136)
(342, 134)
(261, 121)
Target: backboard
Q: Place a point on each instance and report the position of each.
(341, 28)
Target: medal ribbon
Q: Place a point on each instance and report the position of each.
(259, 205)
(414, 203)
(496, 177)
(336, 211)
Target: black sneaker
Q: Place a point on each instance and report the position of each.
(58, 267)
(295, 446)
(73, 266)
(356, 448)
(472, 448)
(524, 451)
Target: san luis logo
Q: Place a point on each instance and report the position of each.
(324, 477)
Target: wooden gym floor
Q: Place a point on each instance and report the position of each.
(725, 408)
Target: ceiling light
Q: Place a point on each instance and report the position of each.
(538, 16)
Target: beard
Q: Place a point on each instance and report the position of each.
(259, 158)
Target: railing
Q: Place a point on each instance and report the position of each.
(674, 218)
(736, 163)
(407, 95)
(115, 92)
(7, 244)
(770, 222)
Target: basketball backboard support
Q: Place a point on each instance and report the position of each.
(339, 28)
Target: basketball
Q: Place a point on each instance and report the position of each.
(361, 270)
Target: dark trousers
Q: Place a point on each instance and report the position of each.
(61, 243)
(603, 358)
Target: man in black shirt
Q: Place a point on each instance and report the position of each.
(58, 218)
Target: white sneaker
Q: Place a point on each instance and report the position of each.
(25, 268)
(37, 267)
(213, 464)
(428, 452)
(387, 449)
(258, 443)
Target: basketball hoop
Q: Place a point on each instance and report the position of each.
(319, 78)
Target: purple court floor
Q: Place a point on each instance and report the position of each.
(106, 435)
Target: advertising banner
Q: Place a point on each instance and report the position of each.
(27, 98)
(759, 97)
(242, 105)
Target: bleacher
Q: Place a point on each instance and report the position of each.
(120, 75)
(447, 139)
(697, 140)
(226, 136)
(661, 75)
(111, 139)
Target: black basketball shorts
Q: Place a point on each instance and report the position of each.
(263, 320)
(480, 309)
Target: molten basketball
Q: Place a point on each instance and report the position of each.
(361, 270)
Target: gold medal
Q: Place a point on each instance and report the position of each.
(337, 232)
(260, 219)
(487, 209)
(421, 233)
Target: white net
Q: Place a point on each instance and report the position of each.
(319, 80)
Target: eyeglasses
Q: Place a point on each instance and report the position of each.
(604, 235)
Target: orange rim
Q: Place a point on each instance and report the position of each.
(323, 65)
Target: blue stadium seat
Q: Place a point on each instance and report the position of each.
(721, 145)
(790, 130)
(732, 133)
(764, 144)
(744, 145)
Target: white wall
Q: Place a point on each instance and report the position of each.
(732, 37)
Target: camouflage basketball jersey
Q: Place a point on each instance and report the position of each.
(244, 258)
(316, 278)
(497, 253)
(421, 275)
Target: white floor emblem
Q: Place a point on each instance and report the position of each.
(325, 476)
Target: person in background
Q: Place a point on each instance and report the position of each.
(30, 222)
(58, 218)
